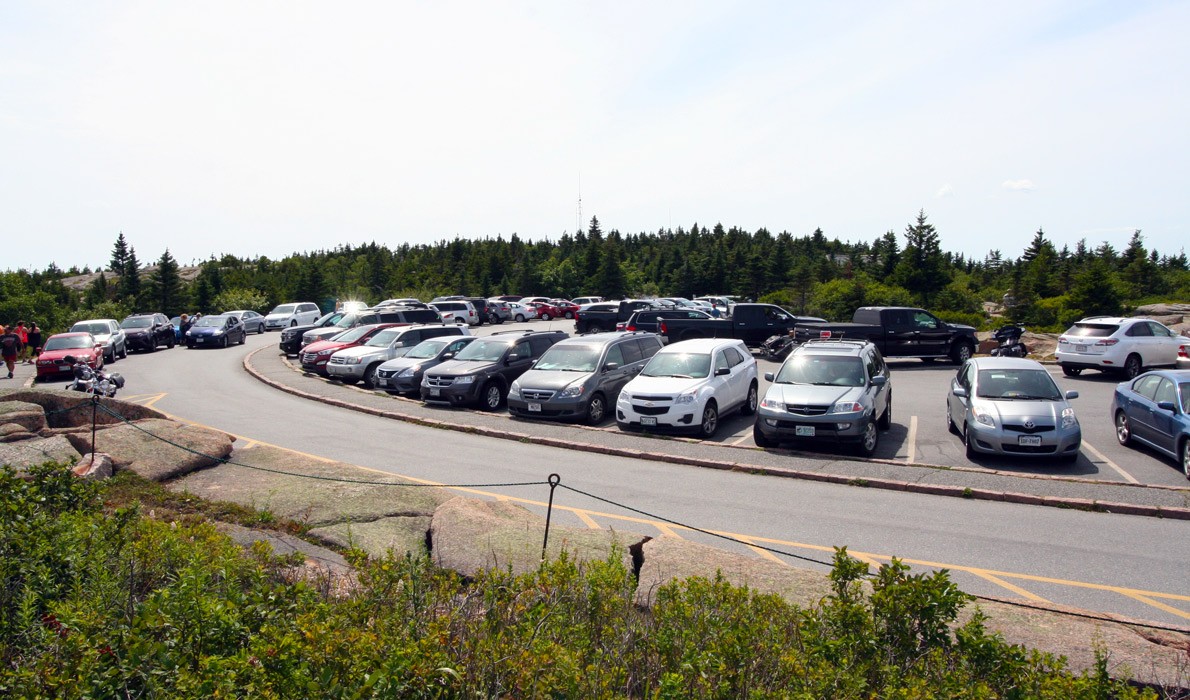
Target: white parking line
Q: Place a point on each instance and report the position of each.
(1103, 458)
(912, 440)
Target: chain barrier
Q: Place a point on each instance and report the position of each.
(555, 481)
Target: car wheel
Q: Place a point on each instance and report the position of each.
(1123, 428)
(370, 375)
(869, 440)
(749, 406)
(123, 351)
(243, 337)
(969, 443)
(260, 329)
(171, 342)
(710, 420)
(492, 397)
(570, 314)
(1132, 366)
(152, 346)
(1071, 371)
(1185, 451)
(109, 358)
(760, 439)
(499, 320)
(961, 353)
(950, 426)
(885, 421)
(520, 318)
(292, 324)
(545, 317)
(596, 409)
(224, 343)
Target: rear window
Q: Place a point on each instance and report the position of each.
(420, 315)
(1092, 330)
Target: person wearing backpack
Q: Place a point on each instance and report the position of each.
(34, 343)
(10, 345)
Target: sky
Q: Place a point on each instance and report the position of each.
(267, 128)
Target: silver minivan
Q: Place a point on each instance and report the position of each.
(578, 378)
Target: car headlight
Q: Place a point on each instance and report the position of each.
(320, 353)
(982, 415)
(218, 332)
(465, 379)
(408, 372)
(847, 407)
(514, 391)
(772, 404)
(688, 397)
(354, 360)
(1068, 418)
(189, 333)
(572, 391)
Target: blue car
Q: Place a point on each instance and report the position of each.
(215, 331)
(1154, 410)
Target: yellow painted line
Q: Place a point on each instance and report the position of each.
(587, 519)
(1103, 458)
(1012, 587)
(1159, 605)
(912, 440)
(764, 553)
(667, 529)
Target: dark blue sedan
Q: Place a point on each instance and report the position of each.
(1154, 410)
(215, 331)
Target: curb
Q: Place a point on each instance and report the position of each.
(865, 482)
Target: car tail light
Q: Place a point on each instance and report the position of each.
(824, 334)
(1183, 352)
(632, 329)
(663, 328)
(1108, 342)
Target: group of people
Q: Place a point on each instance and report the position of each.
(19, 342)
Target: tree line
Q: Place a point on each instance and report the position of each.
(1044, 287)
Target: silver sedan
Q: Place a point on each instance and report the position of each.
(253, 322)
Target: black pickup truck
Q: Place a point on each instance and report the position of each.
(899, 331)
(751, 323)
(602, 317)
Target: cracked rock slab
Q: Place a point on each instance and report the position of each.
(158, 449)
(29, 416)
(401, 535)
(24, 454)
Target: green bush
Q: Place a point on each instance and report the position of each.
(115, 604)
(238, 298)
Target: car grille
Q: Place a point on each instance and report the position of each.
(1030, 449)
(650, 410)
(337, 361)
(1017, 428)
(439, 381)
(309, 358)
(537, 394)
(386, 373)
(806, 409)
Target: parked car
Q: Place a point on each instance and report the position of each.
(291, 314)
(486, 310)
(52, 360)
(1184, 354)
(291, 338)
(482, 372)
(403, 375)
(650, 319)
(360, 362)
(500, 310)
(545, 310)
(109, 334)
(751, 323)
(689, 386)
(510, 297)
(1109, 343)
(1011, 406)
(1153, 409)
(522, 312)
(898, 331)
(604, 316)
(404, 301)
(531, 300)
(147, 331)
(580, 378)
(219, 331)
(583, 301)
(457, 311)
(316, 355)
(252, 321)
(827, 391)
(401, 315)
(721, 304)
(567, 308)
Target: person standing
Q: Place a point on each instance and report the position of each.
(34, 343)
(23, 334)
(10, 345)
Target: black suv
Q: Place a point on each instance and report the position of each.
(650, 319)
(482, 372)
(388, 314)
(291, 338)
(147, 331)
(486, 310)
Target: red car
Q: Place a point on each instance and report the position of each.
(52, 360)
(566, 308)
(315, 355)
(545, 310)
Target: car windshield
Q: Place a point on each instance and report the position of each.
(353, 334)
(1016, 384)
(283, 309)
(347, 321)
(92, 328)
(822, 370)
(329, 319)
(210, 322)
(574, 358)
(141, 322)
(687, 365)
(1184, 394)
(75, 342)
(383, 338)
(1092, 330)
(486, 350)
(427, 349)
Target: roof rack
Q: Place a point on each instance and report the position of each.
(836, 341)
(525, 332)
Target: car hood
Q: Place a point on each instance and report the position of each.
(812, 395)
(137, 331)
(1040, 412)
(362, 351)
(323, 345)
(59, 354)
(205, 330)
(460, 367)
(322, 333)
(551, 379)
(402, 363)
(103, 338)
(277, 317)
(663, 385)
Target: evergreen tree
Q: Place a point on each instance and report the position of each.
(119, 255)
(165, 286)
(610, 280)
(130, 286)
(1137, 271)
(1095, 291)
(922, 269)
(97, 293)
(1040, 263)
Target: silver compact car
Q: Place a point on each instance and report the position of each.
(1011, 406)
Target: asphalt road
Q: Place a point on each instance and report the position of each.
(1127, 565)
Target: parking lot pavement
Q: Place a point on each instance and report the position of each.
(916, 454)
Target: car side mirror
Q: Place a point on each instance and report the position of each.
(611, 366)
(448, 356)
(879, 380)
(768, 376)
(960, 392)
(1163, 405)
(98, 345)
(1072, 394)
(722, 371)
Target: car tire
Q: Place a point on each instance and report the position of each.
(1123, 428)
(370, 375)
(760, 439)
(491, 397)
(885, 421)
(749, 407)
(1132, 366)
(243, 337)
(1185, 454)
(596, 409)
(171, 342)
(123, 351)
(869, 441)
(570, 314)
(968, 443)
(1071, 371)
(499, 320)
(950, 426)
(710, 420)
(112, 358)
(545, 317)
(520, 318)
(260, 329)
(961, 353)
(225, 342)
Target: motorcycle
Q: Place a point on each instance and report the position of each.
(1009, 339)
(94, 381)
(777, 347)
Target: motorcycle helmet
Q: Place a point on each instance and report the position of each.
(70, 359)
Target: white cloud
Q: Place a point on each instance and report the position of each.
(1018, 185)
(944, 191)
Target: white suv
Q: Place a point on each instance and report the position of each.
(457, 311)
(1109, 343)
(293, 314)
(688, 385)
(107, 332)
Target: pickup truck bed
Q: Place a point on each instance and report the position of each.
(899, 332)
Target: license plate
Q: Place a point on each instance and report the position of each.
(1080, 348)
(1029, 441)
(648, 420)
(198, 340)
(535, 407)
(803, 430)
(381, 381)
(435, 392)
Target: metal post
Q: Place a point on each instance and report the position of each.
(94, 420)
(554, 480)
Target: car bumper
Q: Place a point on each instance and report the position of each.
(835, 428)
(44, 371)
(139, 342)
(987, 439)
(557, 408)
(205, 340)
(345, 371)
(1088, 360)
(404, 385)
(672, 416)
(455, 394)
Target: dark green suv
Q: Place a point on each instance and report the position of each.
(482, 372)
